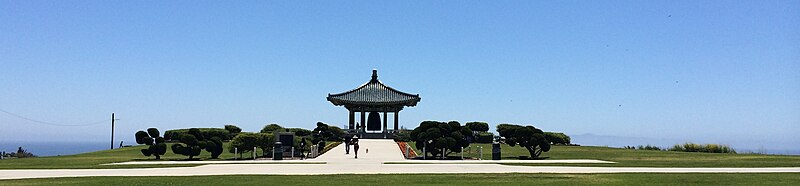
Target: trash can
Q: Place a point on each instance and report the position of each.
(495, 151)
(277, 151)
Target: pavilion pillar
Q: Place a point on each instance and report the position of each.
(384, 123)
(363, 122)
(352, 120)
(395, 121)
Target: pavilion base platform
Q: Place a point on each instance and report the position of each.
(368, 135)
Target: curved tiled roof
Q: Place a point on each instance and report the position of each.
(374, 93)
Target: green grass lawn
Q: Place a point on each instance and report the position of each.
(642, 158)
(94, 159)
(624, 157)
(435, 179)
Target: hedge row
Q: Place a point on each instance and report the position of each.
(207, 133)
(484, 137)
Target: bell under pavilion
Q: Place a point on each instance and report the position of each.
(370, 101)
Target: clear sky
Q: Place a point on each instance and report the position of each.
(701, 71)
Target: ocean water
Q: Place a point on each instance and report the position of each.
(55, 148)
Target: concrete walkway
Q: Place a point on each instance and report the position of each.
(571, 161)
(216, 162)
(371, 151)
(367, 163)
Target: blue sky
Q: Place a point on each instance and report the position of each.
(709, 71)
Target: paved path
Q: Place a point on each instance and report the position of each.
(367, 163)
(371, 151)
(497, 161)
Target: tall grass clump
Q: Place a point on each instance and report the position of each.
(708, 148)
(648, 147)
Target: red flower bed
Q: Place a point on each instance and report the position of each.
(402, 146)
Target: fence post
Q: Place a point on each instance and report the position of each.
(424, 154)
(313, 151)
(408, 153)
(481, 152)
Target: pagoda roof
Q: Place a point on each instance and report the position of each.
(374, 93)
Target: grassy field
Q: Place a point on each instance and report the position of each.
(435, 179)
(642, 158)
(624, 157)
(94, 159)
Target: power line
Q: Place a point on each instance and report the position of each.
(53, 124)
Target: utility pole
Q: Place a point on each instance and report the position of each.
(112, 130)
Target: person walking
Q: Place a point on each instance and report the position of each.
(347, 145)
(354, 141)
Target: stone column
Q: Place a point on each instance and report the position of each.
(363, 121)
(352, 120)
(395, 121)
(385, 129)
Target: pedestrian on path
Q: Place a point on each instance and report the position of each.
(354, 141)
(347, 145)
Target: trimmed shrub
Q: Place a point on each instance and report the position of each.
(271, 128)
(321, 146)
(477, 126)
(444, 137)
(214, 146)
(190, 147)
(324, 132)
(300, 131)
(338, 133)
(529, 137)
(233, 130)
(156, 145)
(557, 138)
(205, 133)
(245, 142)
(484, 137)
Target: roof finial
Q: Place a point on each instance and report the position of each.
(374, 74)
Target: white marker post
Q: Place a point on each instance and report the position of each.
(408, 154)
(480, 151)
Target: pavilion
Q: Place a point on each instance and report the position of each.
(372, 98)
